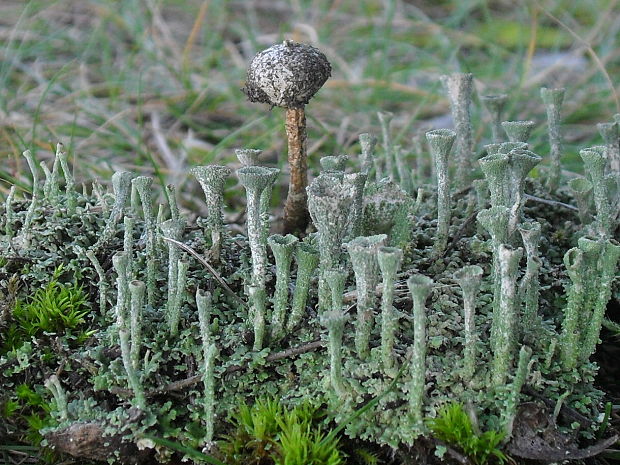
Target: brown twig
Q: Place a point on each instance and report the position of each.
(292, 352)
(183, 383)
(565, 410)
(556, 203)
(460, 458)
(457, 237)
(296, 209)
(585, 43)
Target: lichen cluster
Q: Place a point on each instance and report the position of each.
(459, 294)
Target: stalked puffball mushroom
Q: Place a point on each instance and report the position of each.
(288, 75)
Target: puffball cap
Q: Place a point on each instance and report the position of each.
(286, 75)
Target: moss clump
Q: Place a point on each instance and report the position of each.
(53, 309)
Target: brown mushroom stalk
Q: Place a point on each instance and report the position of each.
(288, 75)
(296, 214)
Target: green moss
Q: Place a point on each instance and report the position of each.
(56, 308)
(453, 426)
(269, 433)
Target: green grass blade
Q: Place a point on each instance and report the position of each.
(185, 450)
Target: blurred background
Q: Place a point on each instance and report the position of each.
(153, 85)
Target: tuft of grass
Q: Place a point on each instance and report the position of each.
(453, 426)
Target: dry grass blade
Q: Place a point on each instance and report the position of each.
(191, 39)
(590, 50)
(206, 264)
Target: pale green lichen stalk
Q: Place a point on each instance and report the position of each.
(136, 291)
(180, 284)
(357, 181)
(204, 304)
(529, 286)
(69, 180)
(592, 249)
(518, 131)
(606, 272)
(172, 229)
(459, 88)
(255, 180)
(53, 385)
(121, 265)
(282, 248)
(173, 206)
(132, 374)
(581, 189)
(129, 224)
(389, 259)
(363, 254)
(550, 352)
(121, 184)
(422, 163)
(521, 162)
(34, 200)
(385, 118)
(257, 297)
(369, 161)
(51, 189)
(334, 162)
(495, 169)
(495, 106)
(420, 287)
(265, 200)
(9, 219)
(102, 285)
(209, 353)
(495, 221)
(571, 325)
(441, 141)
(248, 157)
(142, 185)
(307, 258)
(334, 320)
(419, 198)
(403, 169)
(469, 279)
(505, 168)
(482, 193)
(509, 412)
(209, 393)
(506, 324)
(595, 163)
(553, 99)
(610, 132)
(212, 179)
(329, 203)
(120, 262)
